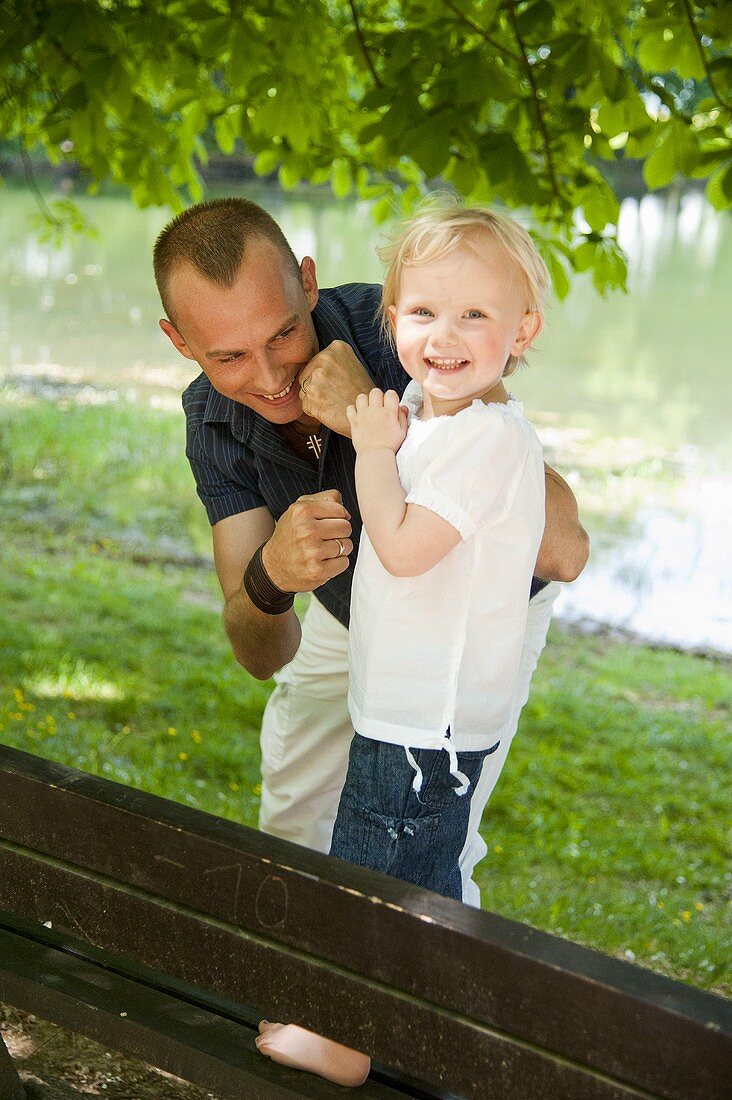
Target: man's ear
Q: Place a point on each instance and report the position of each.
(531, 325)
(175, 338)
(309, 281)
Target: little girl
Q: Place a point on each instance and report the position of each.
(451, 491)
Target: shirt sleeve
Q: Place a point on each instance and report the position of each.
(220, 495)
(470, 466)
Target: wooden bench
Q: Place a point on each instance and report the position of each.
(166, 933)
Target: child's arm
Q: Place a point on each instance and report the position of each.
(407, 538)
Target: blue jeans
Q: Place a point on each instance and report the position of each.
(383, 824)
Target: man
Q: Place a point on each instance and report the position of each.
(268, 442)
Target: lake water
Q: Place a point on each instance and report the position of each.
(632, 395)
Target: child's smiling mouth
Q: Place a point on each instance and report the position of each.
(445, 364)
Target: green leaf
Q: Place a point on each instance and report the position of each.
(225, 130)
(719, 188)
(558, 272)
(667, 45)
(583, 257)
(118, 89)
(600, 207)
(289, 176)
(462, 173)
(720, 72)
(429, 143)
(479, 77)
(660, 168)
(383, 209)
(625, 115)
(535, 20)
(610, 269)
(341, 179)
(267, 162)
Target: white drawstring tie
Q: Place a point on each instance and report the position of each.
(439, 742)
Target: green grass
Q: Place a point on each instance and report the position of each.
(608, 825)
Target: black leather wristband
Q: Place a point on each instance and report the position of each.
(262, 591)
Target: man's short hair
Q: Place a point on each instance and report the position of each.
(212, 237)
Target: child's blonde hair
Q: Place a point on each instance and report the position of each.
(438, 228)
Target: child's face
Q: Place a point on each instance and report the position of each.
(457, 321)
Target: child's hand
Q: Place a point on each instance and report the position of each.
(377, 420)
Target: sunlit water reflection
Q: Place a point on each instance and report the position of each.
(632, 395)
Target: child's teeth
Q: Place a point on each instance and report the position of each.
(446, 364)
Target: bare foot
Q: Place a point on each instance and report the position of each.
(293, 1046)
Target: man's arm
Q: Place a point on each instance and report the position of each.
(565, 546)
(300, 554)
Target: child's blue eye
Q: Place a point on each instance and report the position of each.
(422, 311)
(473, 313)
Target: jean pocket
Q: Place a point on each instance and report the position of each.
(401, 847)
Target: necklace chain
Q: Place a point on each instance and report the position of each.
(313, 441)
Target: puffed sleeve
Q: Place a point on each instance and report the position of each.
(468, 470)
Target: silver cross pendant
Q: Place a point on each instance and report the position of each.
(315, 445)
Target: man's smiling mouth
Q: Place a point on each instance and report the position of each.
(282, 393)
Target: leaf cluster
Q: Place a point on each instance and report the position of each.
(510, 101)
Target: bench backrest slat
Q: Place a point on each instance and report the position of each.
(576, 1005)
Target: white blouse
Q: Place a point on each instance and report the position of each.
(441, 651)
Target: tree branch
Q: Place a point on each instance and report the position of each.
(46, 212)
(61, 49)
(497, 46)
(541, 120)
(362, 43)
(702, 54)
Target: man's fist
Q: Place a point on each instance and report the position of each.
(332, 380)
(310, 544)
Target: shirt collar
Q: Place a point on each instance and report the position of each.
(412, 398)
(330, 325)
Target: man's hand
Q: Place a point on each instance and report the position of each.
(377, 420)
(305, 548)
(333, 379)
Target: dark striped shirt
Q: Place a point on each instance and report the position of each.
(240, 461)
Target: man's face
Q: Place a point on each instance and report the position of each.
(253, 338)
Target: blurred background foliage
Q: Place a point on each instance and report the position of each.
(531, 103)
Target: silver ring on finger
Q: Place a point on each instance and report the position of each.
(302, 385)
(341, 548)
